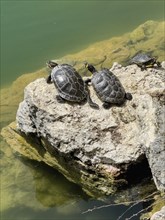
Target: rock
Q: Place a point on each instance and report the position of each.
(160, 215)
(154, 149)
(101, 150)
(163, 64)
(155, 153)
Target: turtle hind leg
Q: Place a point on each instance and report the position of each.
(88, 98)
(158, 64)
(128, 96)
(60, 99)
(91, 103)
(143, 67)
(106, 105)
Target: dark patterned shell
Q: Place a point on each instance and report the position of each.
(141, 58)
(108, 87)
(69, 83)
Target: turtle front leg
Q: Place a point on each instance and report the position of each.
(87, 81)
(49, 79)
(128, 96)
(60, 99)
(106, 105)
(143, 67)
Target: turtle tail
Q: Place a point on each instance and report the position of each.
(128, 96)
(88, 98)
(91, 103)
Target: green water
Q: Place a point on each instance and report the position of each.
(34, 31)
(34, 191)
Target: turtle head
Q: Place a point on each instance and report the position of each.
(51, 64)
(90, 67)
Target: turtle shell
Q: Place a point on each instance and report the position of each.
(69, 83)
(108, 87)
(141, 58)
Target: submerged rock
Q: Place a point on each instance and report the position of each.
(102, 150)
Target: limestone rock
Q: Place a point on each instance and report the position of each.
(156, 154)
(160, 215)
(101, 150)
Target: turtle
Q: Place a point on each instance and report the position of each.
(69, 84)
(107, 87)
(144, 61)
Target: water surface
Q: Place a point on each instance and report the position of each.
(34, 31)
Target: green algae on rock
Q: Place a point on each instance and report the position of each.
(148, 37)
(12, 95)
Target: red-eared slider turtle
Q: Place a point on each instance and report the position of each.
(144, 61)
(107, 86)
(69, 84)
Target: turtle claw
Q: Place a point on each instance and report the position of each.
(106, 105)
(128, 96)
(60, 99)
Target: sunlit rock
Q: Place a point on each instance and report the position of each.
(160, 215)
(102, 150)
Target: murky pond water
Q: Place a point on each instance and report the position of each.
(31, 33)
(34, 31)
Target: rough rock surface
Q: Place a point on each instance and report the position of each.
(98, 149)
(160, 215)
